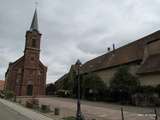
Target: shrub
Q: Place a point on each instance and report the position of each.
(146, 96)
(63, 93)
(2, 95)
(149, 90)
(157, 89)
(45, 108)
(9, 94)
(50, 89)
(69, 118)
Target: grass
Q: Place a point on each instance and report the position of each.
(69, 118)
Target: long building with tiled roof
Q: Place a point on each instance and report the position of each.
(142, 57)
(132, 52)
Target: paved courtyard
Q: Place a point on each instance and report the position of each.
(97, 110)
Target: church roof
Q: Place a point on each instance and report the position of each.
(34, 24)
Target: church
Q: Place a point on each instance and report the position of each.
(27, 75)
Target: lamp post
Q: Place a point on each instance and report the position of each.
(78, 114)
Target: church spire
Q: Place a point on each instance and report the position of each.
(34, 24)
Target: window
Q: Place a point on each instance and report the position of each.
(32, 58)
(33, 42)
(29, 90)
(18, 79)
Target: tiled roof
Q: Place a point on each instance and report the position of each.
(151, 65)
(126, 54)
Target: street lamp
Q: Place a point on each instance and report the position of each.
(78, 114)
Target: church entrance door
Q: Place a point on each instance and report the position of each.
(29, 90)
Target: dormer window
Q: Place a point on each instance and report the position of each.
(33, 42)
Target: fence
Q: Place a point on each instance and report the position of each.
(152, 115)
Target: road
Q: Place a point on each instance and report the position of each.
(8, 114)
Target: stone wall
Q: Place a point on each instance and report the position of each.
(152, 79)
(106, 75)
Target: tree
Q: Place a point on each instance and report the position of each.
(92, 87)
(123, 84)
(50, 89)
(9, 94)
(158, 90)
(69, 81)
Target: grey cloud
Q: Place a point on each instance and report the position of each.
(73, 29)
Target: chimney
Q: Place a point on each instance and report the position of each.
(109, 49)
(114, 47)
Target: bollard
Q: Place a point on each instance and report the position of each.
(122, 113)
(56, 111)
(155, 112)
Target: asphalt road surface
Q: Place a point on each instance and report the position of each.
(8, 114)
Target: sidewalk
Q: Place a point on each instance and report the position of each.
(25, 111)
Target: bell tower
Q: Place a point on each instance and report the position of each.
(32, 58)
(33, 35)
(32, 45)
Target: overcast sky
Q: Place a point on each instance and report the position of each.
(73, 29)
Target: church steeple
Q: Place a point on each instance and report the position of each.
(34, 24)
(33, 36)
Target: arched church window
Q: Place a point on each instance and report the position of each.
(33, 43)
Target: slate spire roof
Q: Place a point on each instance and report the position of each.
(34, 24)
